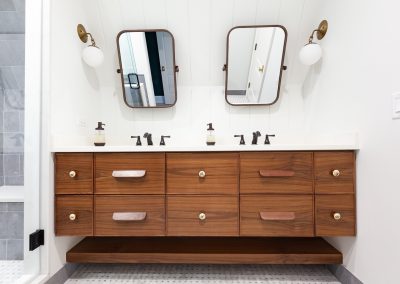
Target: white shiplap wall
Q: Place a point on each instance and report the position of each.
(81, 96)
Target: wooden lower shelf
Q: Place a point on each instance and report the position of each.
(204, 250)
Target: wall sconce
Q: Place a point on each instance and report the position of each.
(92, 54)
(312, 52)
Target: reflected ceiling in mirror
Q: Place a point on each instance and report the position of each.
(254, 64)
(147, 68)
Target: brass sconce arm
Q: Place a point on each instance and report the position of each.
(321, 31)
(83, 35)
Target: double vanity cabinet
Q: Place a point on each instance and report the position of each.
(205, 207)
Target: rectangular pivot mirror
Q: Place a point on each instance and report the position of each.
(147, 67)
(254, 61)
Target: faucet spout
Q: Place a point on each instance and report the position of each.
(148, 136)
(255, 137)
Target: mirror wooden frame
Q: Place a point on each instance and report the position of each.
(120, 70)
(226, 66)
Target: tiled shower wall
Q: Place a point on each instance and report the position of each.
(12, 49)
(12, 61)
(11, 231)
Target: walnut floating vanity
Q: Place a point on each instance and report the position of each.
(205, 207)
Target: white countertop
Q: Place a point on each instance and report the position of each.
(205, 148)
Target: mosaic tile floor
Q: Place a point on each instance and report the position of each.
(202, 274)
(10, 271)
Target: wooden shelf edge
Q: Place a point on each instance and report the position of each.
(204, 250)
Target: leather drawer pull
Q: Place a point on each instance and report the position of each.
(276, 173)
(129, 174)
(129, 216)
(277, 216)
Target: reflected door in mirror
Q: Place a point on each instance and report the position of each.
(147, 62)
(254, 64)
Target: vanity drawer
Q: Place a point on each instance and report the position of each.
(74, 215)
(334, 172)
(130, 173)
(335, 215)
(202, 173)
(74, 173)
(278, 172)
(202, 216)
(125, 215)
(276, 215)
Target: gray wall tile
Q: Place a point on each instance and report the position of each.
(7, 5)
(19, 180)
(3, 225)
(15, 249)
(11, 121)
(3, 249)
(1, 181)
(15, 225)
(12, 22)
(15, 206)
(19, 5)
(14, 99)
(11, 165)
(3, 206)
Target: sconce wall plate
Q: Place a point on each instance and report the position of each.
(83, 35)
(322, 29)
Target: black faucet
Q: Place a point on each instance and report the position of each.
(149, 140)
(162, 142)
(138, 142)
(255, 137)
(267, 142)
(241, 139)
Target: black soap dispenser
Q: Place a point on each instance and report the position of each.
(99, 136)
(210, 135)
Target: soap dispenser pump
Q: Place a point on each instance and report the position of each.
(99, 136)
(210, 135)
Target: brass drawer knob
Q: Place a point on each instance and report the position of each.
(72, 217)
(72, 174)
(202, 216)
(337, 216)
(202, 174)
(336, 173)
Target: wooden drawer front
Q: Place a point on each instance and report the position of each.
(74, 215)
(184, 173)
(130, 215)
(153, 181)
(282, 172)
(185, 213)
(74, 173)
(276, 215)
(325, 165)
(325, 208)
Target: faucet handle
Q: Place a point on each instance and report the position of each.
(162, 142)
(241, 139)
(267, 142)
(138, 142)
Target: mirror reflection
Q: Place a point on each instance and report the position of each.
(147, 62)
(254, 64)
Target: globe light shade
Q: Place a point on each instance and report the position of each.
(93, 56)
(310, 53)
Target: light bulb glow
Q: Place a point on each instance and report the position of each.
(310, 53)
(93, 56)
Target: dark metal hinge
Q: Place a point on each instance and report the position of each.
(36, 239)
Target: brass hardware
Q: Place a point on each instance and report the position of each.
(337, 216)
(202, 174)
(321, 31)
(72, 217)
(202, 216)
(336, 173)
(261, 68)
(72, 174)
(83, 35)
